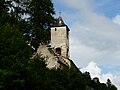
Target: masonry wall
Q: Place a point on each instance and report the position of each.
(52, 60)
(60, 39)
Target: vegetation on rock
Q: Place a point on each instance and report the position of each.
(18, 71)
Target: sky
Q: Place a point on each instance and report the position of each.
(94, 36)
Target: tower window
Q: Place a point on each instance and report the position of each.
(55, 29)
(58, 51)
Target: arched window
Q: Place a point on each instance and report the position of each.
(58, 51)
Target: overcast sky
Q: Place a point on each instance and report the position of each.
(94, 35)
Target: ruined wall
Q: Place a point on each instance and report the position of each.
(52, 59)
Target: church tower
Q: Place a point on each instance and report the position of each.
(60, 38)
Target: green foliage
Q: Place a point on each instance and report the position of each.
(40, 12)
(29, 16)
(12, 47)
(18, 70)
(3, 7)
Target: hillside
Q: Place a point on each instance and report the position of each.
(20, 37)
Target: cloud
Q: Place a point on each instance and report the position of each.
(93, 35)
(82, 54)
(95, 71)
(97, 31)
(116, 19)
(102, 32)
(87, 45)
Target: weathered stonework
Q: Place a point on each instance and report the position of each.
(52, 59)
(60, 39)
(57, 54)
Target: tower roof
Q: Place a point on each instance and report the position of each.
(59, 22)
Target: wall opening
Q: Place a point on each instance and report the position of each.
(58, 51)
(55, 29)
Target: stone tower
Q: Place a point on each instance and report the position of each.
(57, 54)
(60, 38)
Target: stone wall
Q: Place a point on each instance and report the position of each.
(52, 59)
(59, 39)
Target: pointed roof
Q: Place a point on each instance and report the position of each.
(59, 22)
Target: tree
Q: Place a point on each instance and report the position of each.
(87, 75)
(4, 6)
(12, 12)
(109, 84)
(13, 49)
(17, 69)
(41, 16)
(31, 17)
(18, 8)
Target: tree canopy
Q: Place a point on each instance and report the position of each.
(18, 69)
